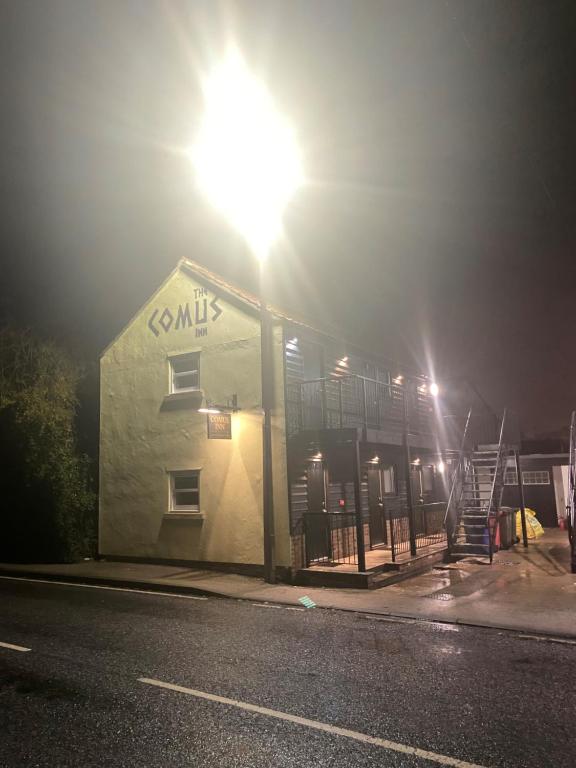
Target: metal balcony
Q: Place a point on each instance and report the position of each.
(356, 401)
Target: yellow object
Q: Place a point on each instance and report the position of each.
(533, 526)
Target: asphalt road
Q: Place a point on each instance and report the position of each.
(76, 698)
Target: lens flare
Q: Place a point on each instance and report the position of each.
(245, 155)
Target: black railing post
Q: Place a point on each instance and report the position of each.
(323, 403)
(392, 541)
(364, 408)
(408, 470)
(522, 501)
(340, 403)
(358, 508)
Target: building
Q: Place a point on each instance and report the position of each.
(181, 443)
(545, 483)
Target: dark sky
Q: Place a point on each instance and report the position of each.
(439, 139)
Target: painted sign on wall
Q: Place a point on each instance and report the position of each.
(197, 312)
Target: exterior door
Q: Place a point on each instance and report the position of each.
(376, 507)
(318, 537)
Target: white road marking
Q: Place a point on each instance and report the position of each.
(103, 586)
(316, 725)
(281, 607)
(547, 639)
(15, 647)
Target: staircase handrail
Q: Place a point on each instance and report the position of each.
(457, 469)
(492, 532)
(571, 506)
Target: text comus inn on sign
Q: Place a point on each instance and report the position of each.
(191, 313)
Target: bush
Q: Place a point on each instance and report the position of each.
(48, 510)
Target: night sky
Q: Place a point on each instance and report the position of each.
(439, 139)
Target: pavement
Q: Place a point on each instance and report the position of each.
(107, 678)
(528, 590)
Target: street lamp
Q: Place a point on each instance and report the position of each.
(248, 165)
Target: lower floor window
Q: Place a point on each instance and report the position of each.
(388, 480)
(511, 477)
(185, 491)
(536, 478)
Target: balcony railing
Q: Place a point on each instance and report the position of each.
(357, 401)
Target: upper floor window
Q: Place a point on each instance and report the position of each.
(185, 372)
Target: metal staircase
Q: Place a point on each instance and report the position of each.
(475, 498)
(571, 501)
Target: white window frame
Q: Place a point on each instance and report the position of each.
(427, 478)
(510, 477)
(389, 473)
(536, 477)
(174, 375)
(173, 507)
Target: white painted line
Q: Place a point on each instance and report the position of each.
(15, 647)
(390, 619)
(424, 754)
(280, 607)
(546, 639)
(103, 586)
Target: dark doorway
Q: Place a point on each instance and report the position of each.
(376, 507)
(316, 487)
(318, 537)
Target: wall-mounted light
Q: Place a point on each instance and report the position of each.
(416, 462)
(375, 459)
(317, 457)
(398, 379)
(209, 406)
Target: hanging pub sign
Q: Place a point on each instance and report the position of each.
(219, 426)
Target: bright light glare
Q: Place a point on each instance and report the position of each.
(434, 389)
(246, 157)
(441, 467)
(209, 410)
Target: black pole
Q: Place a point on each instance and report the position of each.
(408, 470)
(267, 361)
(358, 508)
(522, 502)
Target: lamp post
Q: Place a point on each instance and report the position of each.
(248, 165)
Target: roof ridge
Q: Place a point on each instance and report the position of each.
(254, 301)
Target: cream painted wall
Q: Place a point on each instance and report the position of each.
(140, 440)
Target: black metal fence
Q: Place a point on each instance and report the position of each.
(428, 527)
(330, 537)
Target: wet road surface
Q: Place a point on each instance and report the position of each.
(229, 683)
